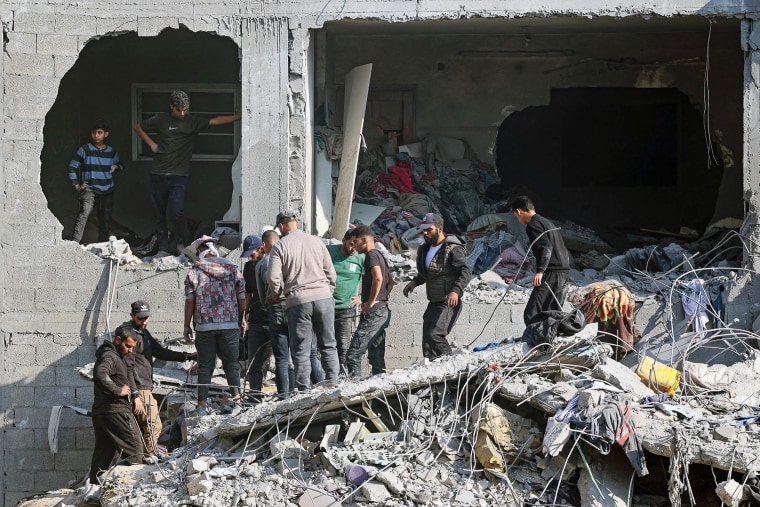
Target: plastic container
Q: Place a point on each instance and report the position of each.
(658, 376)
(356, 475)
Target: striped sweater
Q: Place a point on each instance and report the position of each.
(93, 165)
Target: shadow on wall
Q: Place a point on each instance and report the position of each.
(40, 373)
(614, 159)
(102, 84)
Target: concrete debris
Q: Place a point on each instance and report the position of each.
(465, 430)
(730, 492)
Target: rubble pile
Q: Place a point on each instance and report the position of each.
(559, 424)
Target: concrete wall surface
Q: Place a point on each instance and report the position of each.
(54, 296)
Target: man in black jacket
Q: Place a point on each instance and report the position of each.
(115, 427)
(552, 260)
(146, 349)
(442, 265)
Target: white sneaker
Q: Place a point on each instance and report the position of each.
(150, 460)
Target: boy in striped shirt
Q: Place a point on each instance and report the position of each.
(91, 173)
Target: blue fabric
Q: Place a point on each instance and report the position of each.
(93, 165)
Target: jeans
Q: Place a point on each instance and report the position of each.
(104, 204)
(370, 338)
(344, 324)
(317, 374)
(437, 322)
(278, 333)
(259, 350)
(222, 343)
(550, 295)
(305, 321)
(168, 192)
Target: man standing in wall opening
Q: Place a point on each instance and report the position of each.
(175, 133)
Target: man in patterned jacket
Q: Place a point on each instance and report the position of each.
(215, 303)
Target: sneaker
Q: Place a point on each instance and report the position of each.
(202, 411)
(180, 248)
(151, 459)
(232, 408)
(161, 253)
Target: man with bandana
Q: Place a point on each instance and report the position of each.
(442, 266)
(215, 303)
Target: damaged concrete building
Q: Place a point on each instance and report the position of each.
(621, 118)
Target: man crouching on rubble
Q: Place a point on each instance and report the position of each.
(115, 427)
(552, 260)
(442, 265)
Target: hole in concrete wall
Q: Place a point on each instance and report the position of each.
(614, 159)
(114, 78)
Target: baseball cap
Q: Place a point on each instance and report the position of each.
(286, 216)
(250, 243)
(141, 309)
(430, 220)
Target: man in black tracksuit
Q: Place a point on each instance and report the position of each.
(442, 265)
(552, 260)
(115, 427)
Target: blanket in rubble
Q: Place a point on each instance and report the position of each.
(546, 326)
(611, 305)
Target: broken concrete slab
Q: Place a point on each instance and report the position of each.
(606, 481)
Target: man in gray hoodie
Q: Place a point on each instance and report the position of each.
(215, 302)
(300, 266)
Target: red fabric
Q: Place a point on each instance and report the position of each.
(399, 177)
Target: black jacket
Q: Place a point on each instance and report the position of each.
(549, 248)
(142, 360)
(111, 373)
(448, 270)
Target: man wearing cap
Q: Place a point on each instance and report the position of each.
(300, 266)
(175, 133)
(552, 260)
(215, 303)
(348, 269)
(146, 349)
(257, 334)
(442, 266)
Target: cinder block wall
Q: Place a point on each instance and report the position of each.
(53, 294)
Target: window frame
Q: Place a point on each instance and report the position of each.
(230, 88)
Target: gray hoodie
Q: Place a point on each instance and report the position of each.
(300, 265)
